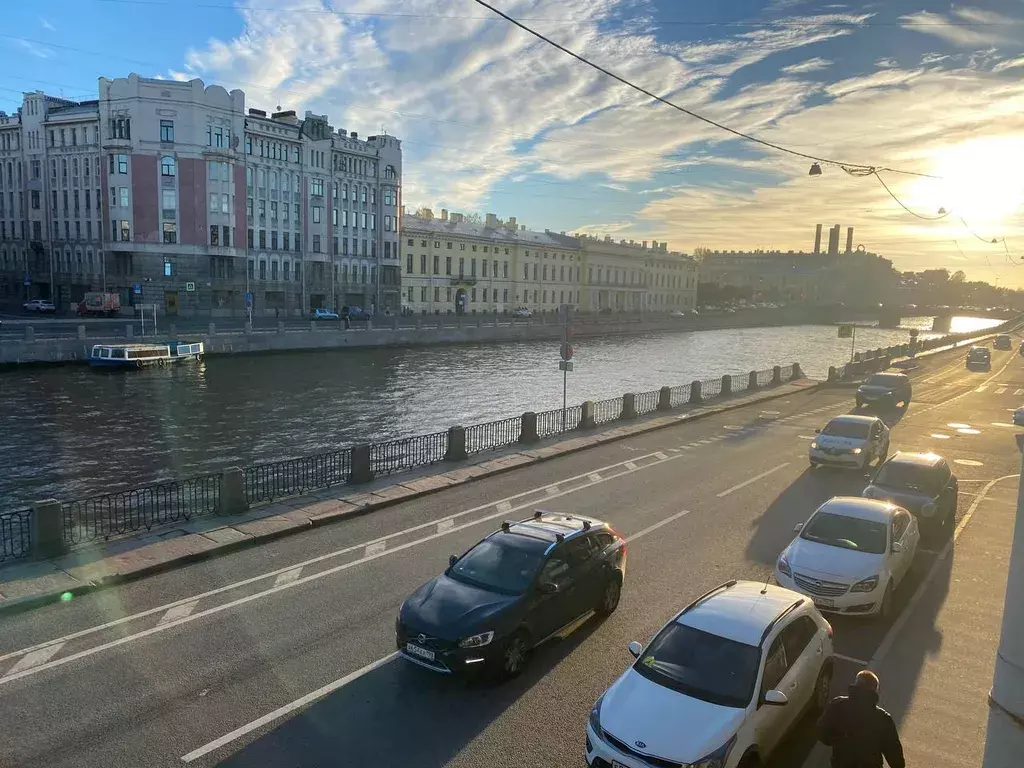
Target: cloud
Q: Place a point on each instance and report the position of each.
(1009, 64)
(35, 49)
(46, 25)
(808, 65)
(965, 27)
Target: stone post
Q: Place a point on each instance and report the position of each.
(528, 430)
(587, 415)
(47, 529)
(232, 492)
(629, 405)
(776, 375)
(394, 323)
(30, 333)
(665, 399)
(81, 332)
(361, 471)
(419, 323)
(695, 396)
(798, 372)
(129, 331)
(312, 325)
(456, 444)
(212, 329)
(280, 326)
(833, 374)
(369, 324)
(726, 385)
(752, 380)
(174, 330)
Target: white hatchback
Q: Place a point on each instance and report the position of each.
(719, 686)
(851, 555)
(850, 441)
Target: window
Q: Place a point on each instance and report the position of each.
(462, 266)
(504, 272)
(218, 137)
(408, 264)
(316, 243)
(166, 165)
(437, 264)
(119, 163)
(423, 293)
(35, 200)
(166, 130)
(263, 270)
(448, 265)
(214, 202)
(317, 213)
(284, 271)
(316, 187)
(285, 241)
(387, 223)
(483, 268)
(248, 145)
(126, 232)
(504, 295)
(123, 195)
(362, 220)
(775, 666)
(263, 238)
(214, 234)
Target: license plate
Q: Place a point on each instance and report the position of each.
(824, 602)
(423, 653)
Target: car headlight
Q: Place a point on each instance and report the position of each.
(783, 566)
(856, 451)
(477, 641)
(595, 715)
(717, 758)
(814, 446)
(865, 585)
(928, 509)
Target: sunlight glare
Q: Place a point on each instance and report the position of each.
(983, 179)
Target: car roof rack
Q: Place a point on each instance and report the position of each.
(777, 619)
(706, 595)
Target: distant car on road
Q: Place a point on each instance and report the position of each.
(720, 685)
(39, 306)
(851, 555)
(884, 389)
(850, 441)
(511, 592)
(679, 313)
(522, 312)
(355, 313)
(922, 483)
(1003, 341)
(324, 314)
(979, 358)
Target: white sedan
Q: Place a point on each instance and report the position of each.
(851, 555)
(850, 441)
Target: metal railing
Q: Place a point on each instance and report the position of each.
(764, 378)
(679, 396)
(607, 410)
(493, 434)
(787, 373)
(556, 421)
(278, 479)
(15, 534)
(740, 383)
(646, 402)
(110, 514)
(710, 389)
(408, 453)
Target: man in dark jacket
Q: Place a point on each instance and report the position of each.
(858, 730)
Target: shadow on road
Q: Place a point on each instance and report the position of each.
(398, 715)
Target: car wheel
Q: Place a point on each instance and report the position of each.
(610, 597)
(513, 656)
(750, 760)
(813, 463)
(822, 689)
(885, 611)
(860, 403)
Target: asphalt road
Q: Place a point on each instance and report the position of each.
(226, 662)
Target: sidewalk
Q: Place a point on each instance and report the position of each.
(937, 662)
(102, 564)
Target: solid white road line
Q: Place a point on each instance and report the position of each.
(503, 506)
(287, 709)
(897, 625)
(287, 576)
(754, 479)
(179, 612)
(844, 657)
(33, 659)
(657, 525)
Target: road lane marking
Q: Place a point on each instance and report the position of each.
(594, 477)
(657, 525)
(445, 525)
(504, 506)
(286, 577)
(844, 657)
(630, 465)
(754, 479)
(31, 660)
(375, 549)
(660, 455)
(897, 626)
(287, 709)
(1018, 392)
(180, 611)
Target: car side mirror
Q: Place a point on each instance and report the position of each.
(897, 547)
(635, 649)
(817, 431)
(798, 527)
(452, 560)
(547, 588)
(776, 698)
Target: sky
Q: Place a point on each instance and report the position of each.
(493, 120)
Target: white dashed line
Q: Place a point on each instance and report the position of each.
(285, 578)
(377, 548)
(657, 525)
(34, 659)
(1001, 390)
(1019, 392)
(552, 490)
(445, 525)
(630, 465)
(754, 479)
(982, 388)
(843, 657)
(594, 477)
(179, 612)
(660, 455)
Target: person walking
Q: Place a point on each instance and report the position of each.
(859, 731)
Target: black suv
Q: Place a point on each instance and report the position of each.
(512, 591)
(1003, 341)
(979, 357)
(923, 484)
(886, 389)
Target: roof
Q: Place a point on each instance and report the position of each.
(549, 526)
(740, 612)
(917, 459)
(860, 508)
(849, 418)
(414, 224)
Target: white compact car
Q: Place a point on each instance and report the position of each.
(851, 555)
(850, 441)
(719, 686)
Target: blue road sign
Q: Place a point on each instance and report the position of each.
(137, 289)
(248, 299)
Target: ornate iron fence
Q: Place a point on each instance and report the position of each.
(555, 421)
(15, 534)
(679, 395)
(710, 389)
(764, 378)
(646, 402)
(787, 373)
(493, 434)
(278, 479)
(740, 383)
(408, 453)
(607, 410)
(110, 514)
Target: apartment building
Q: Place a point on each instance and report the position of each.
(175, 196)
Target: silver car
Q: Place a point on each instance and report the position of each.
(850, 441)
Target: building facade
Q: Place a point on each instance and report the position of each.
(175, 196)
(455, 265)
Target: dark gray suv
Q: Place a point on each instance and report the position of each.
(923, 484)
(884, 389)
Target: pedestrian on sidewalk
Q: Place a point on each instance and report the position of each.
(859, 731)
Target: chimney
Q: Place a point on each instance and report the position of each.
(849, 239)
(522, 227)
(645, 245)
(444, 214)
(512, 223)
(457, 218)
(654, 244)
(817, 239)
(833, 240)
(428, 214)
(491, 221)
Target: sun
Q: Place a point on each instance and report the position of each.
(982, 180)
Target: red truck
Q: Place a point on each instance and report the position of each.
(100, 305)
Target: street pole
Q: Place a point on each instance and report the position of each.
(853, 341)
(1004, 742)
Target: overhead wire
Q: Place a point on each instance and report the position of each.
(881, 181)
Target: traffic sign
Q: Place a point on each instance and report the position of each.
(845, 331)
(565, 365)
(248, 299)
(137, 289)
(190, 287)
(567, 350)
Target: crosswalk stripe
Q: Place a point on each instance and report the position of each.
(287, 577)
(630, 465)
(1001, 390)
(660, 455)
(178, 612)
(1019, 392)
(35, 658)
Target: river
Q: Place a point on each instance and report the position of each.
(70, 431)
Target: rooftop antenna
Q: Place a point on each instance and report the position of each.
(764, 589)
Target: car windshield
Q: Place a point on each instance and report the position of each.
(977, 352)
(839, 428)
(884, 380)
(701, 665)
(498, 565)
(846, 532)
(914, 477)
